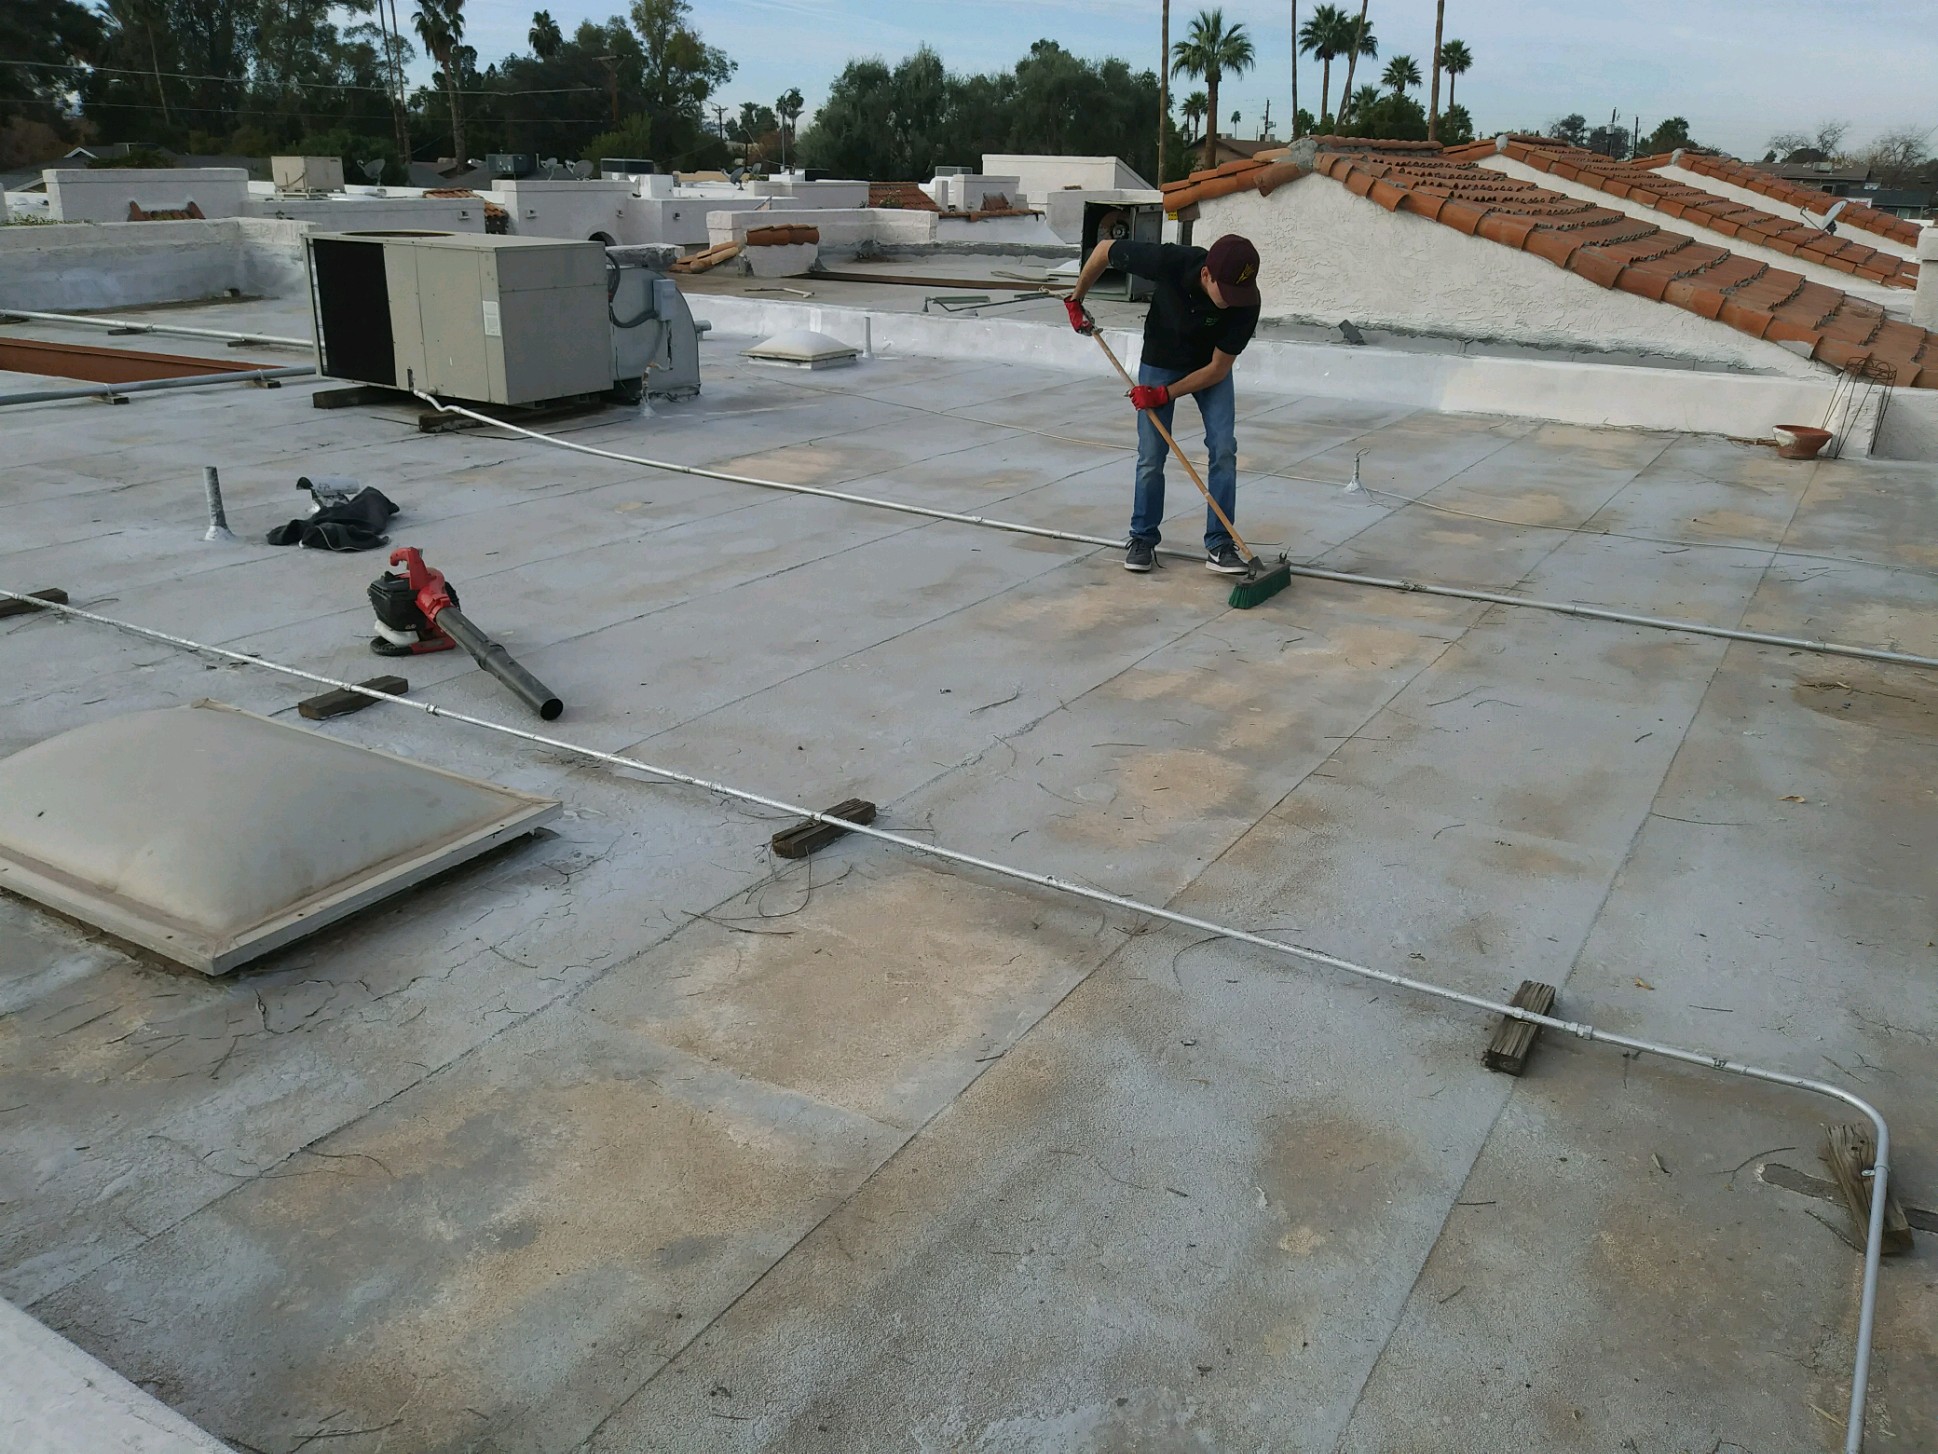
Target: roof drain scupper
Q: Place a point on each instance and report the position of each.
(1701, 1059)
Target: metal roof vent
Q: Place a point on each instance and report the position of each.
(212, 836)
(803, 348)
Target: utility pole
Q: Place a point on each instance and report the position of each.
(1265, 126)
(1163, 93)
(396, 47)
(611, 63)
(1295, 70)
(1433, 107)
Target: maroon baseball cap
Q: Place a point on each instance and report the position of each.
(1233, 265)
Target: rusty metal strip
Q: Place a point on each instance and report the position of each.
(109, 365)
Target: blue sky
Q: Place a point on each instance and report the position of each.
(1737, 69)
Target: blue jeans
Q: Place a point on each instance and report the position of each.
(1219, 407)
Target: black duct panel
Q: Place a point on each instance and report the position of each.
(353, 311)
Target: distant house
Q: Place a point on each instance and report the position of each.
(1899, 201)
(1822, 176)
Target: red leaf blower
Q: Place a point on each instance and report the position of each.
(418, 612)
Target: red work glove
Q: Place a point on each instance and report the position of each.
(1080, 318)
(1150, 396)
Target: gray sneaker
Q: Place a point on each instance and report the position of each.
(1139, 555)
(1226, 561)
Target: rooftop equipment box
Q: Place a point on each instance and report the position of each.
(495, 320)
(307, 174)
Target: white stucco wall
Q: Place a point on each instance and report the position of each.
(353, 213)
(844, 230)
(1782, 209)
(829, 192)
(104, 195)
(97, 266)
(573, 209)
(56, 1399)
(1610, 395)
(1895, 301)
(1041, 175)
(1924, 306)
(1325, 254)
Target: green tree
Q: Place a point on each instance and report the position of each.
(1195, 107)
(631, 138)
(1456, 126)
(788, 108)
(680, 71)
(1325, 35)
(440, 25)
(544, 35)
(1362, 43)
(1357, 108)
(1572, 128)
(1210, 51)
(1402, 72)
(1394, 116)
(1455, 60)
(1671, 135)
(42, 38)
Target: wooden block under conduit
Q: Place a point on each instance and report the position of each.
(806, 836)
(1850, 1151)
(22, 608)
(1514, 1039)
(341, 703)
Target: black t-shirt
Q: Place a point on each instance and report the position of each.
(1184, 325)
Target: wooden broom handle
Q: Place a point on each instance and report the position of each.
(1223, 518)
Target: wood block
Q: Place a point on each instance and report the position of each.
(1850, 1151)
(1514, 1039)
(806, 836)
(355, 396)
(340, 703)
(27, 608)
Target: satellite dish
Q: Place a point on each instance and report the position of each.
(1830, 218)
(580, 170)
(373, 169)
(551, 166)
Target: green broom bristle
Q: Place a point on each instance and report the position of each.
(1261, 587)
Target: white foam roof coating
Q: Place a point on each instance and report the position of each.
(212, 836)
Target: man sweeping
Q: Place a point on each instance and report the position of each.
(1204, 308)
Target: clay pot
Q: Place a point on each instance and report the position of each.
(1800, 441)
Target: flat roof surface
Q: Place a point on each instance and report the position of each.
(639, 1138)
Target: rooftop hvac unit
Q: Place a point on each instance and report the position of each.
(497, 320)
(627, 167)
(1133, 221)
(513, 164)
(306, 174)
(955, 171)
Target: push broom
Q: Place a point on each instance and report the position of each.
(1261, 582)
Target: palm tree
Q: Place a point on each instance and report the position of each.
(1295, 68)
(788, 110)
(1194, 108)
(1357, 105)
(544, 35)
(1401, 73)
(1324, 37)
(1211, 50)
(1433, 106)
(1455, 59)
(440, 25)
(1360, 44)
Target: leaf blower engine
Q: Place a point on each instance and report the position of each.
(417, 612)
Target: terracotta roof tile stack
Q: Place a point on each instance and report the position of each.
(1614, 250)
(1741, 174)
(1719, 214)
(901, 194)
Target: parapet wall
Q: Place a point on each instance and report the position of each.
(83, 267)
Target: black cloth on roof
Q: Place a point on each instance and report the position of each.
(358, 523)
(1184, 325)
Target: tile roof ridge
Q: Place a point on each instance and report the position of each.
(1614, 250)
(1739, 173)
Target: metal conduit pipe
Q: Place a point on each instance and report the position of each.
(1317, 573)
(1701, 1059)
(137, 325)
(151, 386)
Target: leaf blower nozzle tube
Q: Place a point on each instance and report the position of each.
(418, 612)
(496, 660)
